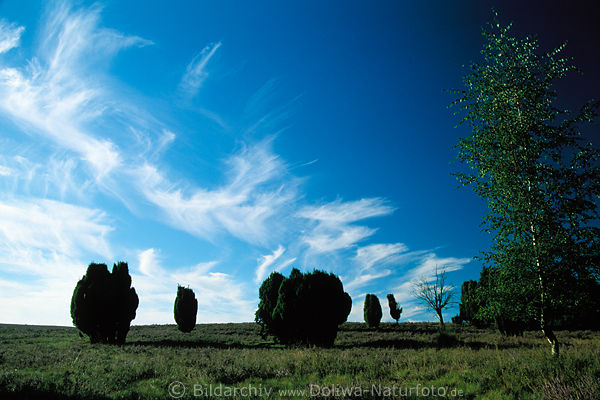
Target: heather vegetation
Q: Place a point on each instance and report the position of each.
(55, 362)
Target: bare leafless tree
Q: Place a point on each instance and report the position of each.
(434, 293)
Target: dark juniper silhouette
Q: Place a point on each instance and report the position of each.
(303, 308)
(185, 309)
(395, 311)
(372, 311)
(104, 303)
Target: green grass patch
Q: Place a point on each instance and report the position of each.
(55, 362)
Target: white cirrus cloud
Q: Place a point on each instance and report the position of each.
(430, 262)
(63, 95)
(364, 278)
(5, 171)
(339, 212)
(195, 72)
(368, 256)
(266, 261)
(10, 36)
(370, 260)
(47, 226)
(42, 247)
(256, 190)
(331, 223)
(284, 264)
(72, 39)
(55, 94)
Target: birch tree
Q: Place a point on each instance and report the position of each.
(529, 161)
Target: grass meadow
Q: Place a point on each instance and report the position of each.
(406, 360)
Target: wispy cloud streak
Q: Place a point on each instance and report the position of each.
(10, 36)
(54, 95)
(51, 227)
(373, 254)
(42, 246)
(195, 73)
(265, 262)
(370, 259)
(256, 190)
(332, 227)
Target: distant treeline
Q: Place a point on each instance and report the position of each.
(484, 306)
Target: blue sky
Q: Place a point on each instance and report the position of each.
(209, 144)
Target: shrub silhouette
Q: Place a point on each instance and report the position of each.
(303, 308)
(268, 295)
(468, 306)
(372, 311)
(104, 304)
(395, 312)
(185, 309)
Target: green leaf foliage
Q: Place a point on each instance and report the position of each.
(104, 304)
(529, 160)
(303, 308)
(469, 304)
(185, 309)
(268, 295)
(509, 312)
(372, 311)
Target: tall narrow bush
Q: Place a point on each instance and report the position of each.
(395, 311)
(372, 311)
(185, 309)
